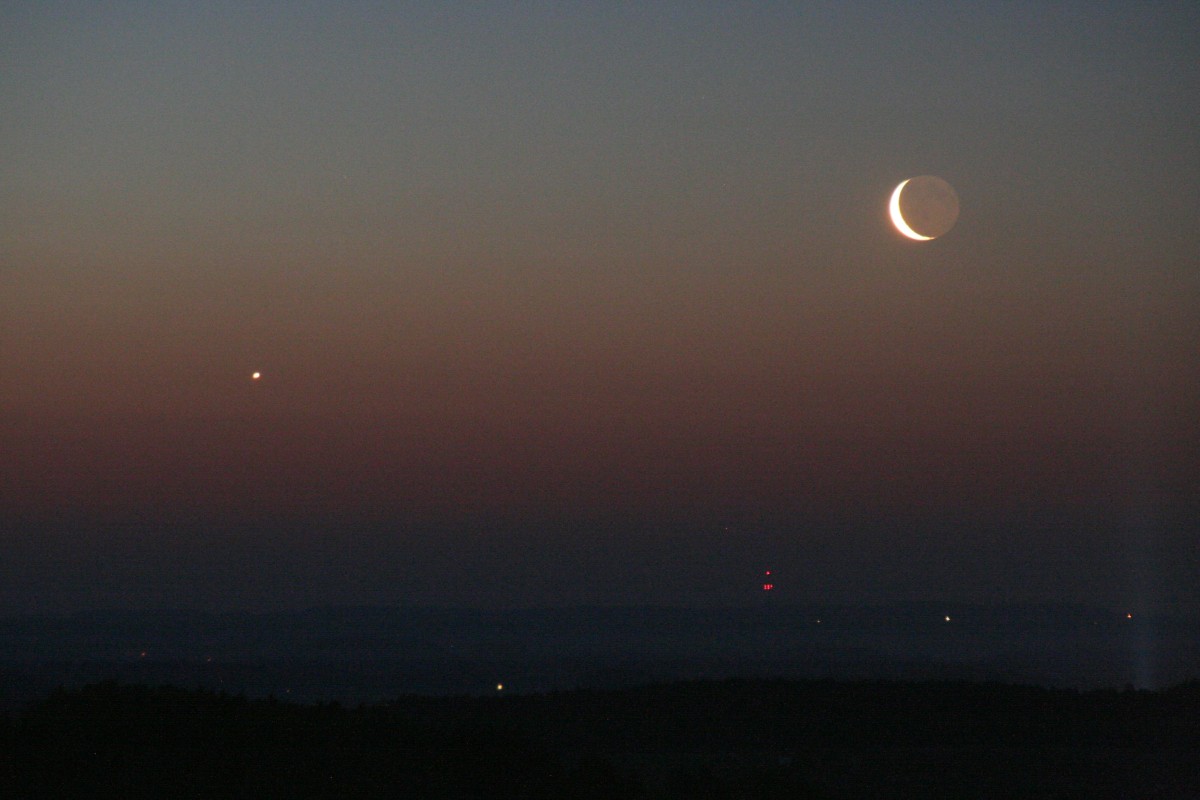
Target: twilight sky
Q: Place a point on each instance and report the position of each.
(591, 302)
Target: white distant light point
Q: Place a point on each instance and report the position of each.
(254, 376)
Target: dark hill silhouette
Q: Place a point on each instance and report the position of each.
(719, 739)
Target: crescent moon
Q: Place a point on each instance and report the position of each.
(898, 218)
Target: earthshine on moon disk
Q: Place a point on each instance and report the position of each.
(923, 208)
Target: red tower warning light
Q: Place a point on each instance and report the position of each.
(768, 585)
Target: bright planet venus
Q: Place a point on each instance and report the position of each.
(924, 207)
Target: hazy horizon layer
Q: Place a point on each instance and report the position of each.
(359, 654)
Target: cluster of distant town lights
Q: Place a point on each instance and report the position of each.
(500, 686)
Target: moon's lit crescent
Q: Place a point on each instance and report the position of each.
(898, 218)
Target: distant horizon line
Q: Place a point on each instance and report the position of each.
(1178, 606)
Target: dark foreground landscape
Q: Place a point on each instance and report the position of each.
(920, 700)
(698, 739)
